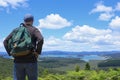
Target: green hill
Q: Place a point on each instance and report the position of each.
(63, 69)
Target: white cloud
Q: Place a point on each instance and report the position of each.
(106, 12)
(96, 47)
(100, 39)
(105, 16)
(53, 43)
(101, 8)
(87, 34)
(115, 23)
(53, 21)
(3, 3)
(117, 8)
(13, 4)
(1, 45)
(84, 38)
(94, 38)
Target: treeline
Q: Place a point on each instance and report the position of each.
(114, 55)
(46, 65)
(58, 62)
(110, 63)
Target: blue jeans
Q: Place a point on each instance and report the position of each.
(21, 70)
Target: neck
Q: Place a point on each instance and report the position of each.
(28, 23)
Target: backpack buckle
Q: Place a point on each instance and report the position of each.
(15, 45)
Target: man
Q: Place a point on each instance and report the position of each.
(27, 65)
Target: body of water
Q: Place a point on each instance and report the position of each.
(93, 57)
(85, 57)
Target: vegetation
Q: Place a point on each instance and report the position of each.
(82, 75)
(87, 66)
(52, 69)
(77, 68)
(109, 63)
(6, 67)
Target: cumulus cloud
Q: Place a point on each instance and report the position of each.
(53, 21)
(53, 43)
(84, 38)
(105, 16)
(106, 12)
(87, 34)
(12, 4)
(1, 45)
(91, 37)
(101, 8)
(115, 23)
(117, 8)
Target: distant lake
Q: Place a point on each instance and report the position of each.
(93, 57)
(63, 56)
(85, 57)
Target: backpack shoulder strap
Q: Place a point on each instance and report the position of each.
(22, 24)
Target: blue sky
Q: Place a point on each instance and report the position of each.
(67, 25)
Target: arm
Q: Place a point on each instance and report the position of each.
(39, 41)
(5, 42)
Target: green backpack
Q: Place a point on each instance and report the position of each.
(20, 43)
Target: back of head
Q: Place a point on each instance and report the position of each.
(28, 18)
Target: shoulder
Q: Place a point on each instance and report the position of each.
(35, 29)
(14, 30)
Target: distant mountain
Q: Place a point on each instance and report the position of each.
(3, 53)
(79, 53)
(112, 54)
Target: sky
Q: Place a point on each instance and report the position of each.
(66, 25)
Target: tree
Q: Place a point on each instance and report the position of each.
(87, 66)
(45, 72)
(77, 68)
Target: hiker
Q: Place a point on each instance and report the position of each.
(26, 65)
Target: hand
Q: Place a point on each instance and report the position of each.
(36, 54)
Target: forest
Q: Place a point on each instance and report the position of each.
(111, 62)
(64, 69)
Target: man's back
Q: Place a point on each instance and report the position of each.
(35, 37)
(27, 65)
